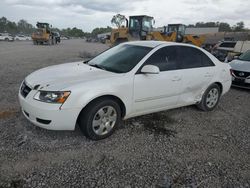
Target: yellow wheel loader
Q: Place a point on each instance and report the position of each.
(137, 28)
(176, 33)
(141, 28)
(43, 34)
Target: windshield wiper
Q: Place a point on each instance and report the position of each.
(85, 62)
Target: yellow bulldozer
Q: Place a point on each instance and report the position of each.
(44, 35)
(141, 28)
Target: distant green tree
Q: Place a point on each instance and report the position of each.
(206, 24)
(7, 26)
(190, 25)
(3, 23)
(74, 32)
(211, 24)
(199, 24)
(240, 26)
(100, 30)
(224, 27)
(24, 27)
(11, 27)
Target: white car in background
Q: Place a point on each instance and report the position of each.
(128, 80)
(22, 37)
(6, 37)
(241, 70)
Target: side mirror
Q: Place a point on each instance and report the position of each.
(150, 69)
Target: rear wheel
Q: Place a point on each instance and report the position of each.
(100, 119)
(210, 98)
(6, 39)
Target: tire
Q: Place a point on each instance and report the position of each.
(100, 118)
(210, 98)
(54, 41)
(50, 41)
(6, 39)
(179, 38)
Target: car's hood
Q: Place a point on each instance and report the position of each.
(240, 65)
(62, 76)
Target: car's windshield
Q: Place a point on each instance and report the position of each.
(245, 56)
(120, 59)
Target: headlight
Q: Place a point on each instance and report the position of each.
(52, 96)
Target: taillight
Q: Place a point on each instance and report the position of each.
(232, 72)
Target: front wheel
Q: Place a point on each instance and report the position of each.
(100, 119)
(210, 98)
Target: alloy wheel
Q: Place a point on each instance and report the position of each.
(104, 120)
(212, 97)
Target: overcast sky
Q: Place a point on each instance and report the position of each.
(88, 14)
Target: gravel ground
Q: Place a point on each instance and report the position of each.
(177, 148)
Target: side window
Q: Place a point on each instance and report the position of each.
(206, 61)
(164, 58)
(189, 57)
(193, 58)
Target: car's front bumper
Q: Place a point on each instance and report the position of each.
(241, 82)
(46, 115)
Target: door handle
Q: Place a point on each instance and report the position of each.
(208, 75)
(176, 78)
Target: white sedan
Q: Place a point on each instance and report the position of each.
(22, 37)
(6, 37)
(128, 80)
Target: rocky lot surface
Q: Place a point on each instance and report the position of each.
(177, 148)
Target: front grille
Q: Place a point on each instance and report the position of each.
(241, 74)
(25, 90)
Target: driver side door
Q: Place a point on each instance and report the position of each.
(153, 92)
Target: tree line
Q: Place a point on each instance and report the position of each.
(223, 26)
(22, 26)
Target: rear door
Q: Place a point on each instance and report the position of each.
(156, 91)
(197, 70)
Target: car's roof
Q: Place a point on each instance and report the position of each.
(151, 43)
